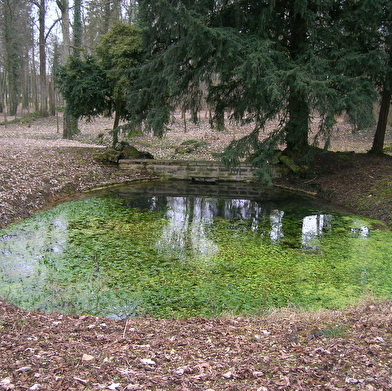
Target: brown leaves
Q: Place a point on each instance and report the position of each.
(90, 353)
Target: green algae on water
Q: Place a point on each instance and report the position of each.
(190, 256)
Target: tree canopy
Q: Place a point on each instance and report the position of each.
(256, 60)
(260, 60)
(97, 85)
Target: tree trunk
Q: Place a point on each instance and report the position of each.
(298, 124)
(34, 86)
(70, 123)
(219, 117)
(115, 126)
(52, 99)
(12, 52)
(77, 28)
(116, 11)
(106, 21)
(297, 127)
(379, 137)
(64, 7)
(132, 11)
(42, 59)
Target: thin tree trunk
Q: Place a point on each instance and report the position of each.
(77, 28)
(115, 126)
(52, 99)
(42, 59)
(106, 21)
(70, 123)
(379, 137)
(34, 88)
(34, 101)
(12, 56)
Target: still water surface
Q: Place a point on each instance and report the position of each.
(180, 249)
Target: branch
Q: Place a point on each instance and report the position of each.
(51, 28)
(36, 3)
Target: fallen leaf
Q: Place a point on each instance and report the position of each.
(80, 380)
(133, 387)
(379, 339)
(147, 361)
(284, 381)
(23, 369)
(6, 384)
(257, 374)
(113, 386)
(351, 380)
(87, 357)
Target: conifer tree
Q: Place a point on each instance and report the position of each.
(119, 52)
(260, 60)
(97, 85)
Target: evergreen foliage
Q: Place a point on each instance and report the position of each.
(85, 87)
(260, 60)
(97, 85)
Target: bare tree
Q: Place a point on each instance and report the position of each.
(12, 13)
(41, 5)
(69, 121)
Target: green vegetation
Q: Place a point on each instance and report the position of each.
(97, 85)
(26, 119)
(261, 61)
(99, 256)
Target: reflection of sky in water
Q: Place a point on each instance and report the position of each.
(23, 252)
(361, 231)
(189, 218)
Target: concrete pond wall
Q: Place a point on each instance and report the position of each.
(194, 170)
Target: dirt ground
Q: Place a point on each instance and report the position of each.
(282, 350)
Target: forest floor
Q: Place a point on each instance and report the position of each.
(284, 349)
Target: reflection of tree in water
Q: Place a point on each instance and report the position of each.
(313, 227)
(276, 219)
(188, 218)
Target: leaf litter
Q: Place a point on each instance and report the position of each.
(281, 350)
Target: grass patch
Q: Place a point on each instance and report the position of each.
(26, 119)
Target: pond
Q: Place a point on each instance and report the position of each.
(177, 249)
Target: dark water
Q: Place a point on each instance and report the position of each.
(182, 249)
